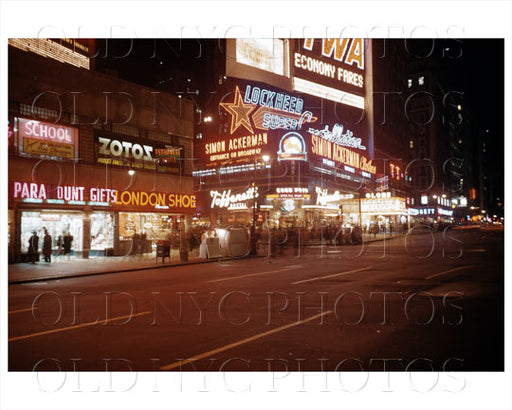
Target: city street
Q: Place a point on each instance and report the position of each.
(412, 303)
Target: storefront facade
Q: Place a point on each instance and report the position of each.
(102, 221)
(101, 169)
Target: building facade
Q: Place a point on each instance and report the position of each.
(96, 157)
(287, 138)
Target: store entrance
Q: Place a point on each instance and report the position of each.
(58, 223)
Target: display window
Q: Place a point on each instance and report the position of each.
(102, 231)
(58, 223)
(154, 226)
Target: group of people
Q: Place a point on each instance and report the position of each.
(63, 244)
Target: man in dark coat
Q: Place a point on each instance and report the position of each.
(33, 246)
(68, 238)
(47, 246)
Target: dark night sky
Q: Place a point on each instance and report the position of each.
(484, 80)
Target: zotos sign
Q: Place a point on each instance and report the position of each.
(125, 149)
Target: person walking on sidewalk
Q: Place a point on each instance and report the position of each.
(33, 246)
(68, 239)
(47, 246)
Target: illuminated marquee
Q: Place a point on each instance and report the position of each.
(383, 205)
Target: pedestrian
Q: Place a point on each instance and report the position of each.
(68, 240)
(47, 247)
(60, 243)
(135, 243)
(33, 246)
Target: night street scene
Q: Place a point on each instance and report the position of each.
(256, 205)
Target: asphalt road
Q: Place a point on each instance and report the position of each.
(417, 303)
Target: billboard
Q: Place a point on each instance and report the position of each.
(132, 153)
(256, 119)
(46, 140)
(331, 68)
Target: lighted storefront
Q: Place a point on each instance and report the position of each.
(430, 214)
(86, 166)
(101, 221)
(383, 210)
(60, 222)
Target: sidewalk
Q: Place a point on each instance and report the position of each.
(76, 267)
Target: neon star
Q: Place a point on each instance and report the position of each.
(239, 112)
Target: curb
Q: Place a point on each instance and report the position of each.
(79, 275)
(169, 265)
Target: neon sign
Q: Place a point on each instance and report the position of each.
(337, 153)
(290, 192)
(337, 136)
(328, 67)
(236, 147)
(378, 195)
(337, 49)
(79, 195)
(126, 153)
(323, 196)
(25, 190)
(226, 199)
(46, 139)
(276, 110)
(126, 149)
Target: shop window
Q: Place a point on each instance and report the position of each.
(102, 231)
(154, 226)
(57, 223)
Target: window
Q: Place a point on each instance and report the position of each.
(411, 144)
(421, 80)
(409, 83)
